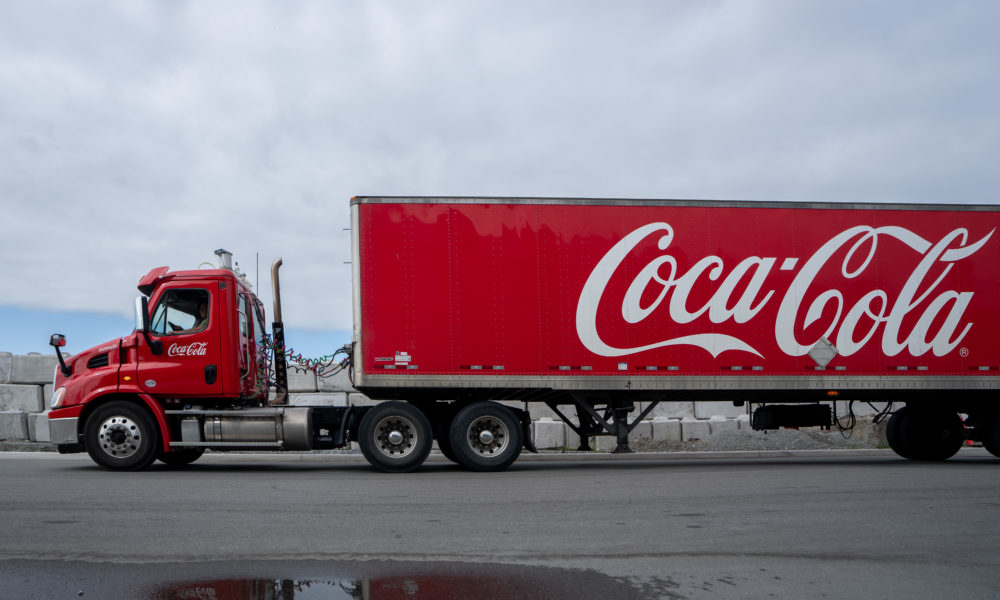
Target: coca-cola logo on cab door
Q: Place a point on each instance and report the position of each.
(742, 290)
(192, 349)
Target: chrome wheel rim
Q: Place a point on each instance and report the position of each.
(395, 437)
(120, 437)
(488, 436)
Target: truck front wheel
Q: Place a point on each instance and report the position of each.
(395, 437)
(485, 436)
(121, 436)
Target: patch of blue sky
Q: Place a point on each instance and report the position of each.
(24, 330)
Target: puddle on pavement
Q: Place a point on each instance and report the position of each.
(388, 588)
(317, 580)
(404, 581)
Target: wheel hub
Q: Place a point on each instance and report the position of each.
(120, 437)
(488, 436)
(395, 437)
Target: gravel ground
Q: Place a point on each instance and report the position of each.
(781, 439)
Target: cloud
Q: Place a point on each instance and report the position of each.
(142, 134)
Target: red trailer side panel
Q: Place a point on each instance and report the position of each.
(541, 288)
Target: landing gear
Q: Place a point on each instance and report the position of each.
(920, 433)
(485, 436)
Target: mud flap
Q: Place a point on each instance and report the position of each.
(525, 419)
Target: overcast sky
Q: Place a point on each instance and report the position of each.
(137, 134)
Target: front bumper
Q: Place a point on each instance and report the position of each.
(64, 431)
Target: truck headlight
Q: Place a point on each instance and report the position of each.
(57, 398)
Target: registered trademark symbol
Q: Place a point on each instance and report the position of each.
(963, 352)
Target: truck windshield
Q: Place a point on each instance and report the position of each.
(181, 311)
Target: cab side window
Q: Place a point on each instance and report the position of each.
(181, 311)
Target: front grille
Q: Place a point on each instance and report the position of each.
(98, 361)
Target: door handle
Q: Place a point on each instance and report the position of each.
(211, 372)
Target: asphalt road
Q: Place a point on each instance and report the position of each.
(862, 525)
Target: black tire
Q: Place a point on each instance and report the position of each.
(179, 458)
(991, 434)
(395, 437)
(122, 436)
(892, 434)
(486, 436)
(927, 434)
(444, 445)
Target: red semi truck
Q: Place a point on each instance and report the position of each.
(588, 306)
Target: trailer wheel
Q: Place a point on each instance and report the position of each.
(893, 436)
(991, 438)
(931, 435)
(121, 436)
(179, 458)
(486, 436)
(395, 437)
(444, 445)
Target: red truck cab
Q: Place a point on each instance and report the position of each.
(199, 340)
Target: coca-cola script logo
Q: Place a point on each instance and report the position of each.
(921, 295)
(192, 349)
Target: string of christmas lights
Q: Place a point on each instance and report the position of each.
(324, 366)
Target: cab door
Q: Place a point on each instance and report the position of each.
(186, 319)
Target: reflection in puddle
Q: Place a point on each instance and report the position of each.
(386, 588)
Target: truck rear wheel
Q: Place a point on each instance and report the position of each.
(122, 436)
(485, 436)
(923, 434)
(395, 437)
(179, 458)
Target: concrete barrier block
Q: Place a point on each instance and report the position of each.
(33, 368)
(743, 422)
(361, 400)
(707, 410)
(694, 429)
(318, 399)
(6, 367)
(672, 410)
(604, 443)
(335, 383)
(302, 382)
(720, 424)
(666, 429)
(539, 410)
(23, 398)
(38, 427)
(13, 425)
(642, 431)
(547, 433)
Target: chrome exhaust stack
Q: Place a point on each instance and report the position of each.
(278, 339)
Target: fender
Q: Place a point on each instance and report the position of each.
(161, 419)
(93, 401)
